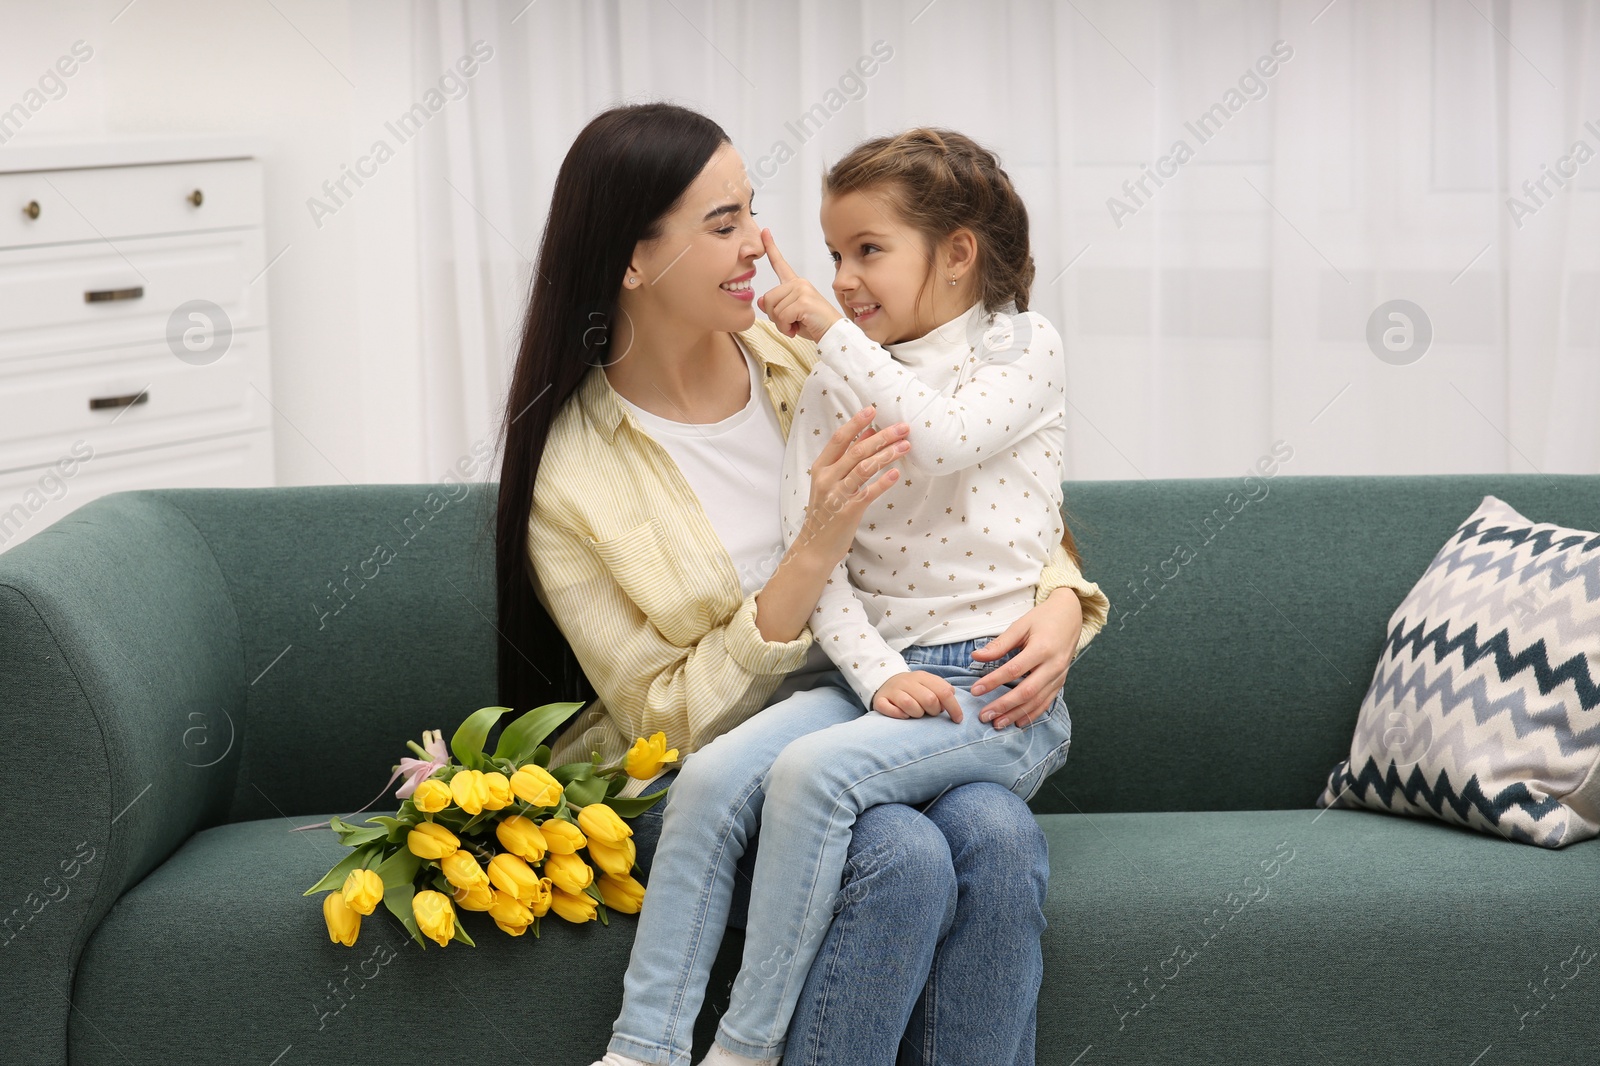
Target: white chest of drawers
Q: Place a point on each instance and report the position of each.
(133, 323)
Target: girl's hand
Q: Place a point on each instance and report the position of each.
(914, 694)
(794, 305)
(1048, 639)
(843, 484)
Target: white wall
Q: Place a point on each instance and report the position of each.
(342, 297)
(1201, 329)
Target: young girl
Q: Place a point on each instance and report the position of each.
(930, 244)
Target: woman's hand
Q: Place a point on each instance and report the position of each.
(794, 305)
(1048, 639)
(843, 484)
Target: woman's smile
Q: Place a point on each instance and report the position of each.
(740, 288)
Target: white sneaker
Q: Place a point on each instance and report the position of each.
(613, 1059)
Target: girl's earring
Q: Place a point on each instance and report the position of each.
(633, 281)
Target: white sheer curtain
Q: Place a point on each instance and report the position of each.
(1210, 315)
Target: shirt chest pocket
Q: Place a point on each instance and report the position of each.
(649, 573)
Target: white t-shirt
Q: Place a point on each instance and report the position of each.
(953, 551)
(734, 466)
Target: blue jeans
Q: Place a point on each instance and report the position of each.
(825, 760)
(894, 984)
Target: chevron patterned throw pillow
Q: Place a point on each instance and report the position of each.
(1484, 709)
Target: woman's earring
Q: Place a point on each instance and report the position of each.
(952, 279)
(633, 280)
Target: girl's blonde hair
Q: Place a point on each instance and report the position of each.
(938, 181)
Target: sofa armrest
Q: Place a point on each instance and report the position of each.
(120, 684)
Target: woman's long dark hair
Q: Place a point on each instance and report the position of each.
(625, 172)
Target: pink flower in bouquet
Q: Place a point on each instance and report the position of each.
(416, 771)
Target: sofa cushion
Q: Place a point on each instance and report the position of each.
(1380, 940)
(216, 957)
(1484, 708)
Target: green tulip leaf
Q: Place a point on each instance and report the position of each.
(467, 743)
(399, 869)
(573, 771)
(394, 828)
(586, 791)
(334, 878)
(632, 807)
(398, 900)
(535, 928)
(357, 837)
(599, 904)
(520, 740)
(461, 932)
(618, 783)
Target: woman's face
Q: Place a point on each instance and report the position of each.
(699, 272)
(879, 266)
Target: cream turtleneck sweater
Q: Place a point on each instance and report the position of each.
(954, 550)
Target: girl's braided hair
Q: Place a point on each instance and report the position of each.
(939, 181)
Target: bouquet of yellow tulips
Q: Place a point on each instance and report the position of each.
(503, 833)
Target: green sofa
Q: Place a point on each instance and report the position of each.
(181, 683)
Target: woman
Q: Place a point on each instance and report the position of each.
(640, 570)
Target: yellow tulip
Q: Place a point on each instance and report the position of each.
(344, 924)
(561, 836)
(496, 790)
(467, 789)
(645, 759)
(432, 796)
(513, 876)
(430, 840)
(622, 893)
(510, 913)
(436, 918)
(568, 872)
(618, 860)
(363, 890)
(601, 823)
(539, 902)
(533, 784)
(521, 837)
(462, 870)
(476, 898)
(580, 908)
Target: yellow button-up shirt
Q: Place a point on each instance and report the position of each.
(625, 560)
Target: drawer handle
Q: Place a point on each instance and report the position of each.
(98, 403)
(100, 296)
(195, 198)
(32, 210)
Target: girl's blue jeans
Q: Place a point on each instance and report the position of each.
(823, 760)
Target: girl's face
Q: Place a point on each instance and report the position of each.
(698, 272)
(881, 265)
